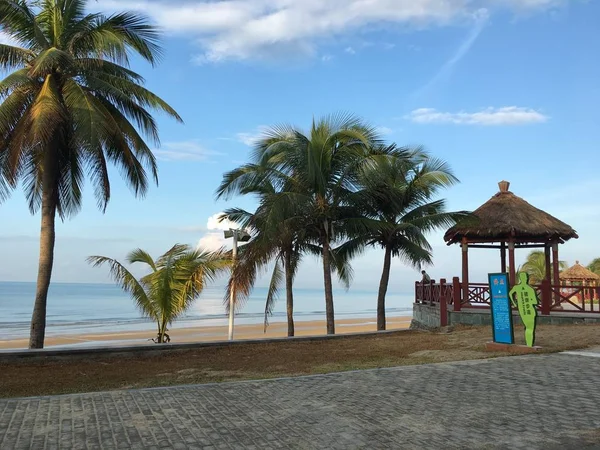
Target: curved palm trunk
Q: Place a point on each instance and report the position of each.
(328, 288)
(289, 281)
(383, 285)
(47, 239)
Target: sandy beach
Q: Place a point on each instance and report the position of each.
(208, 334)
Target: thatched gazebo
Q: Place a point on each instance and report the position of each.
(509, 222)
(579, 276)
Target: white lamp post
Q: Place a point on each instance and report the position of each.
(237, 235)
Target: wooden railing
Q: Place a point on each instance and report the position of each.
(583, 299)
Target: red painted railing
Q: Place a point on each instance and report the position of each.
(583, 299)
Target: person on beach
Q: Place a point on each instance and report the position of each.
(526, 301)
(426, 278)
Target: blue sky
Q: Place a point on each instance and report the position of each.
(502, 89)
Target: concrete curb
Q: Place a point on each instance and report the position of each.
(11, 355)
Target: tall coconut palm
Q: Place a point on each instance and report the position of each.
(317, 171)
(175, 280)
(535, 266)
(70, 107)
(398, 205)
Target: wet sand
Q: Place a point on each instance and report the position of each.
(208, 334)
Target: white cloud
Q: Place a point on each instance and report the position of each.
(267, 29)
(350, 50)
(214, 239)
(184, 151)
(326, 58)
(508, 115)
(480, 19)
(214, 223)
(251, 138)
(384, 131)
(212, 242)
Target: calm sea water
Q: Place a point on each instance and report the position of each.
(97, 308)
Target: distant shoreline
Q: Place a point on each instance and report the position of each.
(209, 333)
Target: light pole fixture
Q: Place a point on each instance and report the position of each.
(238, 236)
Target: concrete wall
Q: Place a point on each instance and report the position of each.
(425, 316)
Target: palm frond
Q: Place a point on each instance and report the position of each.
(127, 282)
(273, 291)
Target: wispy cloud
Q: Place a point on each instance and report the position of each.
(250, 138)
(385, 131)
(277, 29)
(480, 19)
(184, 151)
(350, 50)
(508, 115)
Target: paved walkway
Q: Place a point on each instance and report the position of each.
(530, 402)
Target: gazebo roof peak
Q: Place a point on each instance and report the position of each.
(578, 272)
(506, 216)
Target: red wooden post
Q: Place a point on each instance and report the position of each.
(546, 297)
(443, 304)
(555, 271)
(456, 293)
(511, 262)
(548, 261)
(417, 292)
(465, 270)
(431, 292)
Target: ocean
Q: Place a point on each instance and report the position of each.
(98, 308)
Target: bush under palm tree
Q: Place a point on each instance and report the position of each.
(175, 281)
(70, 107)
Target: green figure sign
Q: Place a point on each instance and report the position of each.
(526, 300)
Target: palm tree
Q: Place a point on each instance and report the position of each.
(535, 266)
(316, 170)
(71, 106)
(594, 266)
(279, 238)
(175, 280)
(397, 210)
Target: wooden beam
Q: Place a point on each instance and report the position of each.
(503, 257)
(547, 258)
(512, 275)
(465, 269)
(555, 271)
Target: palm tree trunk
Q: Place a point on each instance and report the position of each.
(328, 288)
(383, 285)
(47, 240)
(289, 275)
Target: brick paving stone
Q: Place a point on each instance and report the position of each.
(545, 402)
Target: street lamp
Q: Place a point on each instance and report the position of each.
(241, 236)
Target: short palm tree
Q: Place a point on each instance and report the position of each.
(535, 266)
(70, 107)
(398, 208)
(175, 280)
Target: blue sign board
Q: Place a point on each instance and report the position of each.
(502, 324)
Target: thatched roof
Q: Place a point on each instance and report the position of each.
(507, 216)
(578, 272)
